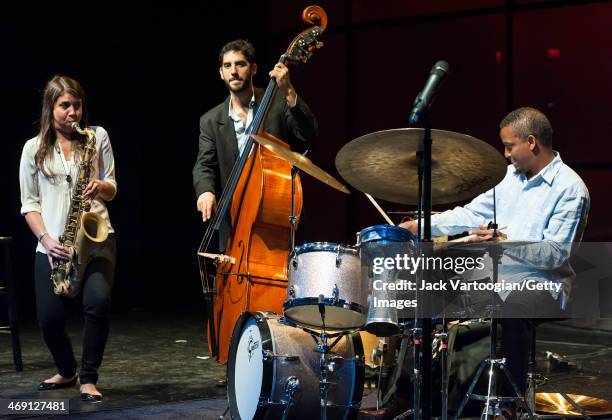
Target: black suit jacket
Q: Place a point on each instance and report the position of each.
(218, 147)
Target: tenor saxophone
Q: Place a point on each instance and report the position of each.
(83, 230)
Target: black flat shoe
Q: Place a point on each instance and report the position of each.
(48, 386)
(90, 398)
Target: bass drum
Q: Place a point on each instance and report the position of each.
(273, 367)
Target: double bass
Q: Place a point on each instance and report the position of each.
(251, 275)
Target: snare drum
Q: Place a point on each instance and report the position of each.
(383, 241)
(326, 277)
(273, 368)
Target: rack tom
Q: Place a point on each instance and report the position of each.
(325, 279)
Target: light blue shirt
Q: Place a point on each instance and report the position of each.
(548, 207)
(241, 129)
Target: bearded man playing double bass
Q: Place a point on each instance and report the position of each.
(224, 132)
(223, 129)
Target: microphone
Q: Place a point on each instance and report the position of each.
(425, 98)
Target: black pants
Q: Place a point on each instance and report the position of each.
(51, 312)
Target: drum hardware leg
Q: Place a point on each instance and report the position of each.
(292, 385)
(495, 253)
(379, 353)
(443, 337)
(416, 375)
(222, 416)
(491, 397)
(323, 383)
(491, 385)
(324, 349)
(378, 391)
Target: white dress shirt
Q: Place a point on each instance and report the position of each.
(51, 197)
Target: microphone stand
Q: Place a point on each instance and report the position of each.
(422, 333)
(426, 328)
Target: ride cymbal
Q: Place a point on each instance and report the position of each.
(384, 164)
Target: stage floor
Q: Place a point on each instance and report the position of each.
(157, 365)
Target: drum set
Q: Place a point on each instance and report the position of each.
(312, 361)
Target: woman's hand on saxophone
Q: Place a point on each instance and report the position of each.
(98, 188)
(55, 249)
(92, 189)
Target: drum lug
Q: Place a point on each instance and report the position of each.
(268, 356)
(335, 293)
(335, 362)
(292, 385)
(291, 291)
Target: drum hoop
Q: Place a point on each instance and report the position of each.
(261, 319)
(312, 301)
(326, 247)
(386, 233)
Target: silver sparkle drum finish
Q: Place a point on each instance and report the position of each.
(273, 370)
(383, 241)
(330, 274)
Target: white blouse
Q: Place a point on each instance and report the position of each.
(51, 197)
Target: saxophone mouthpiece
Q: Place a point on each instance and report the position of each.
(74, 125)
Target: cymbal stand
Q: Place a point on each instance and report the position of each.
(442, 337)
(417, 337)
(292, 217)
(495, 253)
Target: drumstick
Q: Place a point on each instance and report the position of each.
(380, 210)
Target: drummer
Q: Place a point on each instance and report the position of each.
(539, 199)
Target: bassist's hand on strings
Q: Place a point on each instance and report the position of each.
(207, 203)
(280, 72)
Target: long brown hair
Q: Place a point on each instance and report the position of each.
(56, 87)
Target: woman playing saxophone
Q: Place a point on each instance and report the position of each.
(49, 176)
